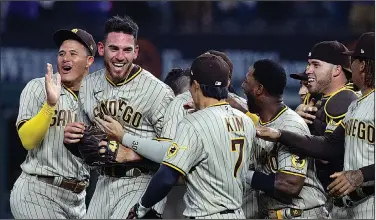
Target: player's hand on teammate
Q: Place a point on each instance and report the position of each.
(307, 112)
(73, 132)
(190, 106)
(268, 134)
(52, 88)
(345, 182)
(111, 127)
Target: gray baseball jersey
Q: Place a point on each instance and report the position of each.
(139, 104)
(174, 114)
(49, 158)
(212, 149)
(360, 147)
(273, 157)
(360, 133)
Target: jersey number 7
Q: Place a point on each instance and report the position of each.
(237, 143)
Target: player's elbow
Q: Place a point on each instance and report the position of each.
(27, 143)
(289, 184)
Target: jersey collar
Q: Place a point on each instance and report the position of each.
(366, 95)
(218, 104)
(136, 70)
(275, 117)
(74, 94)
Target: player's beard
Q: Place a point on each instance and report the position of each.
(320, 84)
(117, 74)
(251, 103)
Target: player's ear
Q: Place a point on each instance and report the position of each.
(259, 89)
(336, 70)
(100, 48)
(362, 66)
(196, 86)
(136, 49)
(89, 61)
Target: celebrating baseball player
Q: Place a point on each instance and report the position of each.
(328, 74)
(53, 179)
(214, 173)
(352, 140)
(138, 100)
(287, 182)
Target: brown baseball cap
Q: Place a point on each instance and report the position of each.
(76, 34)
(331, 52)
(224, 57)
(210, 70)
(365, 47)
(299, 76)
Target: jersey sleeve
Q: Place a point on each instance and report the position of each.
(31, 100)
(174, 114)
(291, 163)
(186, 151)
(288, 162)
(158, 111)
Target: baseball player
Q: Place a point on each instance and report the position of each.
(138, 100)
(328, 74)
(287, 182)
(352, 140)
(175, 112)
(214, 173)
(53, 179)
(178, 80)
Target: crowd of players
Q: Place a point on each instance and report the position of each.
(253, 158)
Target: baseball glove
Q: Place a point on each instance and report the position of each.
(92, 152)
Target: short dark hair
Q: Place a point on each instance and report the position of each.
(178, 79)
(271, 75)
(121, 24)
(213, 91)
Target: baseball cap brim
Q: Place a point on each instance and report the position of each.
(299, 76)
(62, 35)
(350, 53)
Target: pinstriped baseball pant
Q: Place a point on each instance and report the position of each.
(114, 197)
(33, 199)
(238, 214)
(363, 210)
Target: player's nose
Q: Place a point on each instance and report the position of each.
(120, 56)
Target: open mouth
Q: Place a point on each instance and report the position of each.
(67, 68)
(310, 80)
(118, 65)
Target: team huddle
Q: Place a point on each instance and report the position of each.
(237, 158)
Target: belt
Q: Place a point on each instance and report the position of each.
(123, 171)
(71, 185)
(222, 213)
(354, 197)
(287, 213)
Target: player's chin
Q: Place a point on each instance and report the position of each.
(119, 73)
